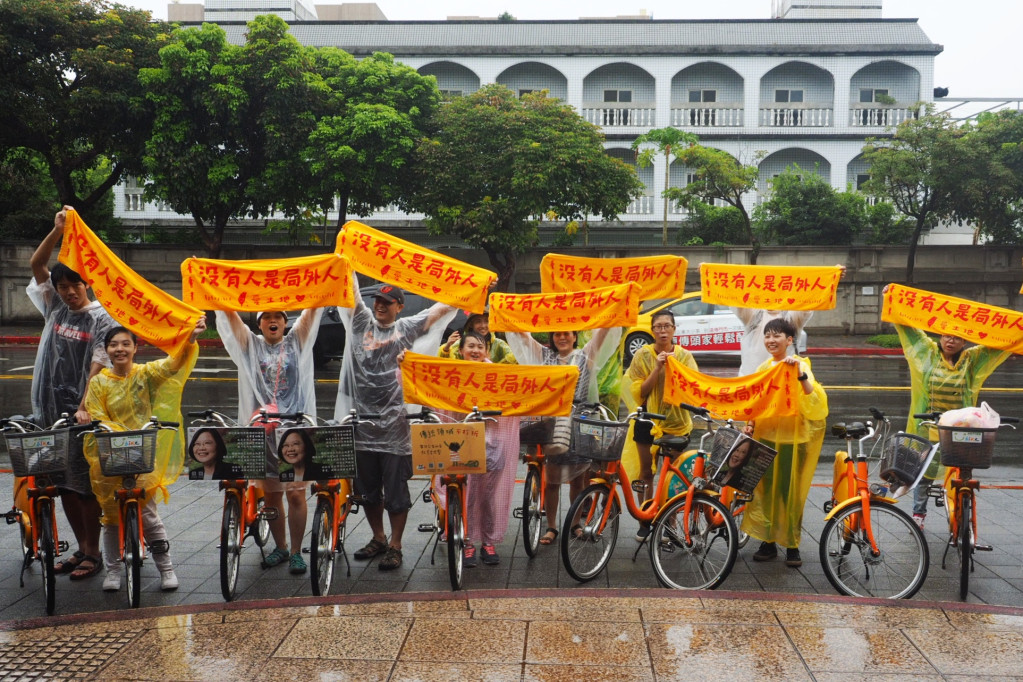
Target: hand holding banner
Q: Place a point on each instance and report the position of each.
(657, 276)
(615, 306)
(770, 287)
(271, 284)
(988, 325)
(773, 392)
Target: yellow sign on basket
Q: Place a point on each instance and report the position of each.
(432, 275)
(988, 325)
(459, 448)
(772, 287)
(657, 276)
(271, 284)
(574, 311)
(773, 392)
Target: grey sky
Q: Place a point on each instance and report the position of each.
(981, 37)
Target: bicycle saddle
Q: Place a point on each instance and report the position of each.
(675, 443)
(854, 430)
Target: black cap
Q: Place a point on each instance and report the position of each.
(389, 293)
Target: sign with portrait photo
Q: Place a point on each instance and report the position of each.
(744, 463)
(315, 453)
(216, 452)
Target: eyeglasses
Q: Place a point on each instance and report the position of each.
(663, 327)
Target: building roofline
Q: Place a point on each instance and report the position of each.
(644, 22)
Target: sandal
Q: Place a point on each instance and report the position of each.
(549, 537)
(87, 567)
(372, 549)
(67, 565)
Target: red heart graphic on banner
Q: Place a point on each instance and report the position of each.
(745, 298)
(748, 410)
(585, 318)
(299, 297)
(982, 335)
(436, 290)
(931, 321)
(791, 301)
(132, 321)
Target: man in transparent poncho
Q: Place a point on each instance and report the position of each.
(370, 383)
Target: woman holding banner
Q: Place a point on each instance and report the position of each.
(499, 351)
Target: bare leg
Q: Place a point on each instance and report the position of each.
(89, 541)
(375, 517)
(297, 512)
(397, 527)
(277, 525)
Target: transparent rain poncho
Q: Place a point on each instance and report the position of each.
(370, 380)
(153, 388)
(277, 377)
(775, 514)
(751, 347)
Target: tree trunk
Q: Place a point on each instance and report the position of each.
(753, 241)
(342, 211)
(667, 166)
(911, 258)
(503, 263)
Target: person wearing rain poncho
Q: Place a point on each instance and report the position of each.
(370, 383)
(275, 373)
(125, 396)
(500, 352)
(562, 350)
(944, 376)
(70, 353)
(775, 514)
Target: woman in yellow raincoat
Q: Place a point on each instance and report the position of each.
(775, 515)
(125, 396)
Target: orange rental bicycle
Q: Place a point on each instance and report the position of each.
(531, 512)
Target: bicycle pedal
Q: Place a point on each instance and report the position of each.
(427, 528)
(984, 548)
(63, 546)
(940, 502)
(427, 496)
(270, 513)
(517, 513)
(354, 509)
(12, 516)
(639, 486)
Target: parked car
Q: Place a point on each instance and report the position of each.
(703, 328)
(330, 341)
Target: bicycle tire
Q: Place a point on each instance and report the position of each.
(132, 555)
(713, 545)
(586, 553)
(322, 546)
(532, 513)
(456, 537)
(261, 526)
(230, 546)
(737, 510)
(47, 550)
(965, 543)
(846, 557)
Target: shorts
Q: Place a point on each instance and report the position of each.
(75, 479)
(642, 432)
(383, 476)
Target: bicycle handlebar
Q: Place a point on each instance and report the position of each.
(877, 414)
(701, 411)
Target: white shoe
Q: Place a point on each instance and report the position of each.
(112, 581)
(168, 580)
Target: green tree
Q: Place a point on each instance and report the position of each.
(69, 89)
(498, 163)
(804, 209)
(707, 224)
(718, 176)
(666, 142)
(231, 122)
(27, 196)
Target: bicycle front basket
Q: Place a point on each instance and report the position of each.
(597, 439)
(36, 453)
(126, 453)
(536, 431)
(903, 459)
(966, 447)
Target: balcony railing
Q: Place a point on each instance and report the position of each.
(814, 116)
(703, 115)
(641, 206)
(618, 116)
(133, 201)
(871, 115)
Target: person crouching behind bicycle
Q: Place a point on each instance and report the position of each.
(775, 515)
(126, 395)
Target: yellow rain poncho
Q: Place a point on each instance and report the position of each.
(127, 403)
(678, 423)
(776, 512)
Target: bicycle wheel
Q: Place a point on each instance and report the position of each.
(965, 543)
(707, 558)
(532, 512)
(456, 537)
(230, 546)
(737, 509)
(321, 551)
(132, 555)
(899, 569)
(587, 541)
(47, 550)
(261, 526)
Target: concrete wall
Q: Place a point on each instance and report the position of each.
(982, 273)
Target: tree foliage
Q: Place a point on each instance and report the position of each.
(498, 163)
(665, 142)
(804, 209)
(70, 90)
(707, 224)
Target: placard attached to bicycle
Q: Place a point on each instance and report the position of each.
(315, 453)
(459, 448)
(738, 461)
(218, 452)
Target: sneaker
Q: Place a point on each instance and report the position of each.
(391, 560)
(469, 556)
(168, 580)
(112, 581)
(490, 557)
(766, 552)
(297, 564)
(276, 557)
(918, 519)
(792, 557)
(643, 533)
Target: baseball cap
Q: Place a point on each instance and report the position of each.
(389, 293)
(261, 313)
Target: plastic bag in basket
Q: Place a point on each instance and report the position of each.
(982, 417)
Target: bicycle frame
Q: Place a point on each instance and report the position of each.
(851, 484)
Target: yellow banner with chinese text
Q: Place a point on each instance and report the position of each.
(771, 287)
(657, 276)
(773, 392)
(421, 271)
(615, 306)
(154, 315)
(516, 390)
(271, 284)
(987, 325)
